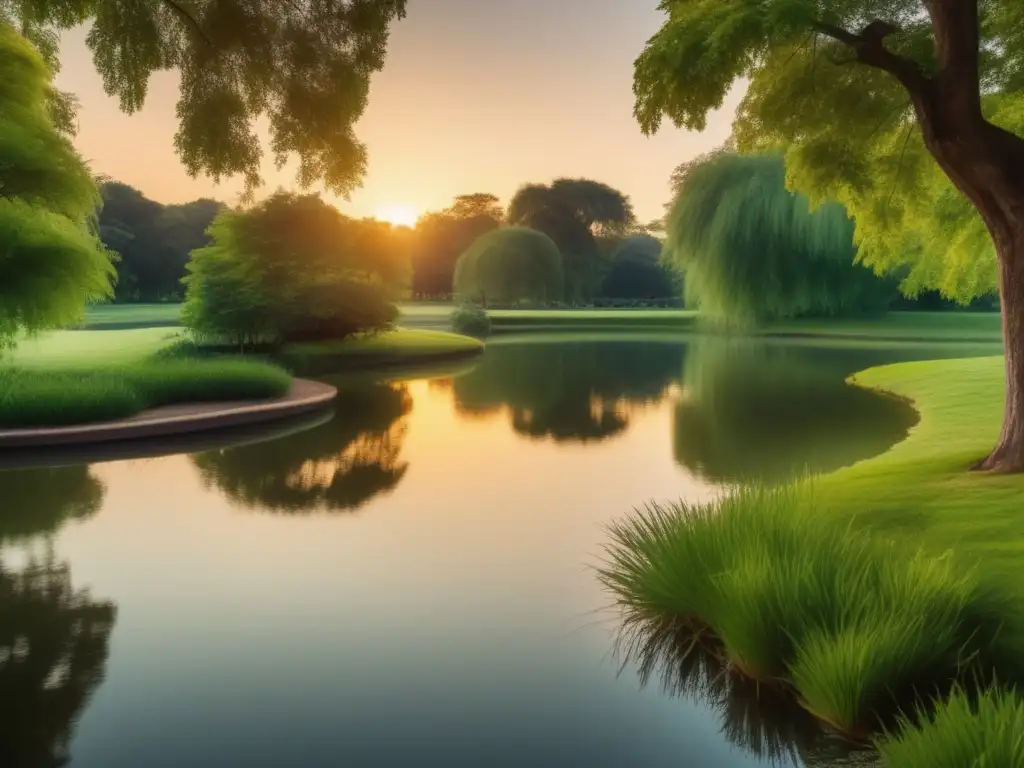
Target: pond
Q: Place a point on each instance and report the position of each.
(409, 581)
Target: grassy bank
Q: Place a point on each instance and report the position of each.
(127, 316)
(400, 347)
(866, 591)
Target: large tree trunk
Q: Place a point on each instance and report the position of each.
(1008, 455)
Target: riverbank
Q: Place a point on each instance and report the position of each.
(863, 590)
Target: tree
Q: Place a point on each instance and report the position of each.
(442, 236)
(39, 501)
(52, 262)
(636, 271)
(909, 113)
(751, 250)
(152, 240)
(305, 66)
(294, 269)
(508, 266)
(574, 213)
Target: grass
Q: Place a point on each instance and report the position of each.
(49, 398)
(962, 731)
(125, 316)
(857, 627)
(402, 346)
(66, 350)
(867, 591)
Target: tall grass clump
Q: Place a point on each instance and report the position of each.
(982, 731)
(858, 629)
(31, 398)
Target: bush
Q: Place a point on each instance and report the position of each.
(293, 269)
(962, 731)
(510, 265)
(54, 399)
(858, 628)
(471, 321)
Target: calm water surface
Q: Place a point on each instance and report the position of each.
(409, 581)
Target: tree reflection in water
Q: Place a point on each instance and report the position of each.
(754, 410)
(40, 501)
(336, 466)
(763, 720)
(53, 651)
(569, 391)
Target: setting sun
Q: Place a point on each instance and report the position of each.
(399, 215)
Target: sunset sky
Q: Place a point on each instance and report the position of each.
(476, 96)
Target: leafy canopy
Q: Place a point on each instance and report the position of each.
(293, 269)
(751, 250)
(51, 263)
(441, 237)
(574, 213)
(304, 65)
(848, 130)
(508, 266)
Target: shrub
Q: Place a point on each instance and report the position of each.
(856, 627)
(471, 321)
(293, 269)
(510, 265)
(53, 399)
(962, 731)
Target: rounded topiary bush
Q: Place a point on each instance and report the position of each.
(510, 265)
(471, 321)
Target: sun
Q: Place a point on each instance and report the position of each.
(399, 215)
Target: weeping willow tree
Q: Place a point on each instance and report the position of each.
(753, 251)
(51, 262)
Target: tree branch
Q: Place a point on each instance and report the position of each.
(189, 19)
(869, 48)
(957, 30)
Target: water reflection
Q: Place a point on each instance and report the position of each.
(764, 721)
(754, 410)
(569, 391)
(38, 501)
(337, 466)
(53, 651)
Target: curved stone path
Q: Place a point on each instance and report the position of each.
(304, 396)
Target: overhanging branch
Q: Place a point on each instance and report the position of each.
(869, 48)
(189, 19)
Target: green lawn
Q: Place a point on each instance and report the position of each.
(67, 350)
(922, 488)
(124, 316)
(399, 347)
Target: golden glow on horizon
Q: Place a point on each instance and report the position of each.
(399, 215)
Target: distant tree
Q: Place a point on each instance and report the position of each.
(52, 261)
(291, 269)
(305, 66)
(441, 237)
(508, 266)
(751, 250)
(574, 213)
(636, 271)
(152, 240)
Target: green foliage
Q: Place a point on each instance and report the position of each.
(152, 240)
(305, 67)
(636, 271)
(51, 263)
(964, 730)
(441, 237)
(293, 269)
(574, 213)
(471, 321)
(510, 265)
(860, 627)
(51, 398)
(849, 131)
(752, 251)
